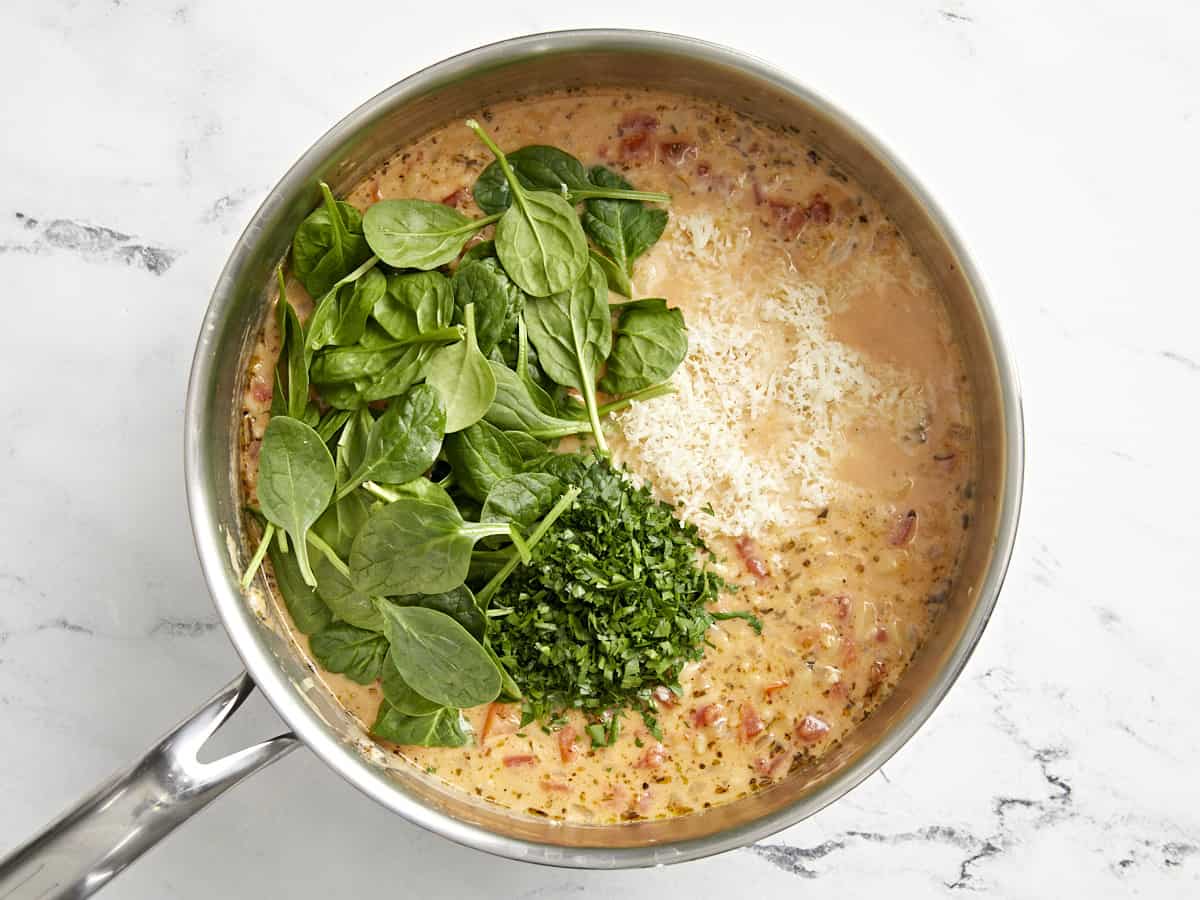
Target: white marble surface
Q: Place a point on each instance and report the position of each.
(1062, 138)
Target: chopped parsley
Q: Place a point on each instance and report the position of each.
(754, 621)
(612, 604)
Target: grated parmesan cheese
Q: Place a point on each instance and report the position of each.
(751, 433)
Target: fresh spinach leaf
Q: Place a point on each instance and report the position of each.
(292, 361)
(544, 168)
(304, 605)
(514, 408)
(537, 168)
(486, 563)
(354, 652)
(480, 456)
(444, 728)
(404, 371)
(651, 342)
(421, 489)
(539, 239)
(415, 547)
(649, 303)
(576, 410)
(531, 449)
(497, 301)
(572, 332)
(296, 478)
(378, 366)
(331, 423)
(340, 317)
(312, 415)
(397, 692)
(352, 445)
(510, 691)
(404, 442)
(344, 600)
(438, 658)
(342, 397)
(415, 303)
(623, 229)
(568, 468)
(482, 250)
(418, 234)
(264, 542)
(458, 603)
(531, 373)
(617, 278)
(328, 245)
(464, 379)
(564, 502)
(364, 361)
(341, 522)
(521, 499)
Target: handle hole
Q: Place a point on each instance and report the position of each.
(254, 721)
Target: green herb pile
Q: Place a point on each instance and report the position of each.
(612, 604)
(421, 529)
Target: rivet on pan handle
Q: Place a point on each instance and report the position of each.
(91, 843)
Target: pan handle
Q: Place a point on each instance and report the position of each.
(90, 844)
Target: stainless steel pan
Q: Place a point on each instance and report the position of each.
(91, 843)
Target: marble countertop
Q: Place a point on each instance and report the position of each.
(1062, 139)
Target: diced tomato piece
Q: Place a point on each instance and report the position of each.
(709, 714)
(636, 146)
(566, 743)
(618, 796)
(653, 756)
(664, 696)
(488, 721)
(520, 759)
(811, 729)
(560, 787)
(790, 217)
(767, 766)
(842, 604)
(637, 122)
(849, 651)
(905, 529)
(645, 796)
(456, 198)
(819, 210)
(879, 672)
(498, 721)
(748, 550)
(750, 724)
(773, 688)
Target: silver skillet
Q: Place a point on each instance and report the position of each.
(90, 844)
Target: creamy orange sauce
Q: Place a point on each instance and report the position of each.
(848, 563)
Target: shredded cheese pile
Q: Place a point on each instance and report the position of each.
(748, 439)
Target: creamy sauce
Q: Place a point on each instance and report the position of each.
(848, 562)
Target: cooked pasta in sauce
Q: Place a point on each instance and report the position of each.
(820, 437)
